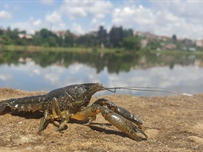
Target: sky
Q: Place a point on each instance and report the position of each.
(162, 17)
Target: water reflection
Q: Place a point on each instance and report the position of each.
(50, 70)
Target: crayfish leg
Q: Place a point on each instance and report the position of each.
(45, 120)
(56, 115)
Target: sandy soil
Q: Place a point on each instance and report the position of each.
(172, 123)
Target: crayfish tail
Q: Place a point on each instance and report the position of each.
(3, 105)
(26, 104)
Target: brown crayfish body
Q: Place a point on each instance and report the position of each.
(71, 102)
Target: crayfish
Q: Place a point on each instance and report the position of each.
(71, 102)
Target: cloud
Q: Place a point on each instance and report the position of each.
(95, 23)
(33, 25)
(36, 22)
(74, 9)
(5, 15)
(181, 8)
(5, 77)
(30, 26)
(77, 29)
(47, 2)
(52, 77)
(97, 10)
(131, 16)
(180, 17)
(163, 18)
(55, 17)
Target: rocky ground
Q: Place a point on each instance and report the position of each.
(172, 123)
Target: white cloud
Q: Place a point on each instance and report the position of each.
(99, 8)
(47, 2)
(95, 23)
(55, 17)
(163, 18)
(180, 17)
(77, 29)
(5, 77)
(129, 16)
(181, 8)
(5, 15)
(56, 74)
(30, 26)
(37, 22)
(74, 8)
(33, 25)
(52, 77)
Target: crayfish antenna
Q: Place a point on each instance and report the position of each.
(186, 94)
(109, 89)
(153, 89)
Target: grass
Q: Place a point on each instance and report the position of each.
(55, 49)
(87, 50)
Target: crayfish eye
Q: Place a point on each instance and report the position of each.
(87, 86)
(90, 86)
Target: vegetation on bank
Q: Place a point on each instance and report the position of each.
(117, 40)
(88, 50)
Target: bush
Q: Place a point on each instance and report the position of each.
(131, 43)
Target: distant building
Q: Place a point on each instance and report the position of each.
(94, 33)
(144, 43)
(25, 36)
(170, 46)
(164, 38)
(188, 42)
(134, 33)
(60, 34)
(75, 36)
(199, 43)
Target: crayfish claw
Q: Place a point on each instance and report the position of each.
(124, 125)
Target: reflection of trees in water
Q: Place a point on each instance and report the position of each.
(114, 62)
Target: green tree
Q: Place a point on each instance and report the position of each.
(102, 36)
(153, 44)
(6, 40)
(69, 39)
(44, 33)
(127, 32)
(45, 38)
(52, 41)
(1, 31)
(87, 40)
(116, 36)
(20, 42)
(37, 40)
(131, 43)
(174, 38)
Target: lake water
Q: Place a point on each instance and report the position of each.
(50, 70)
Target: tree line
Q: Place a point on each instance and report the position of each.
(116, 38)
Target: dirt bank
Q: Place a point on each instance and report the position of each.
(173, 123)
